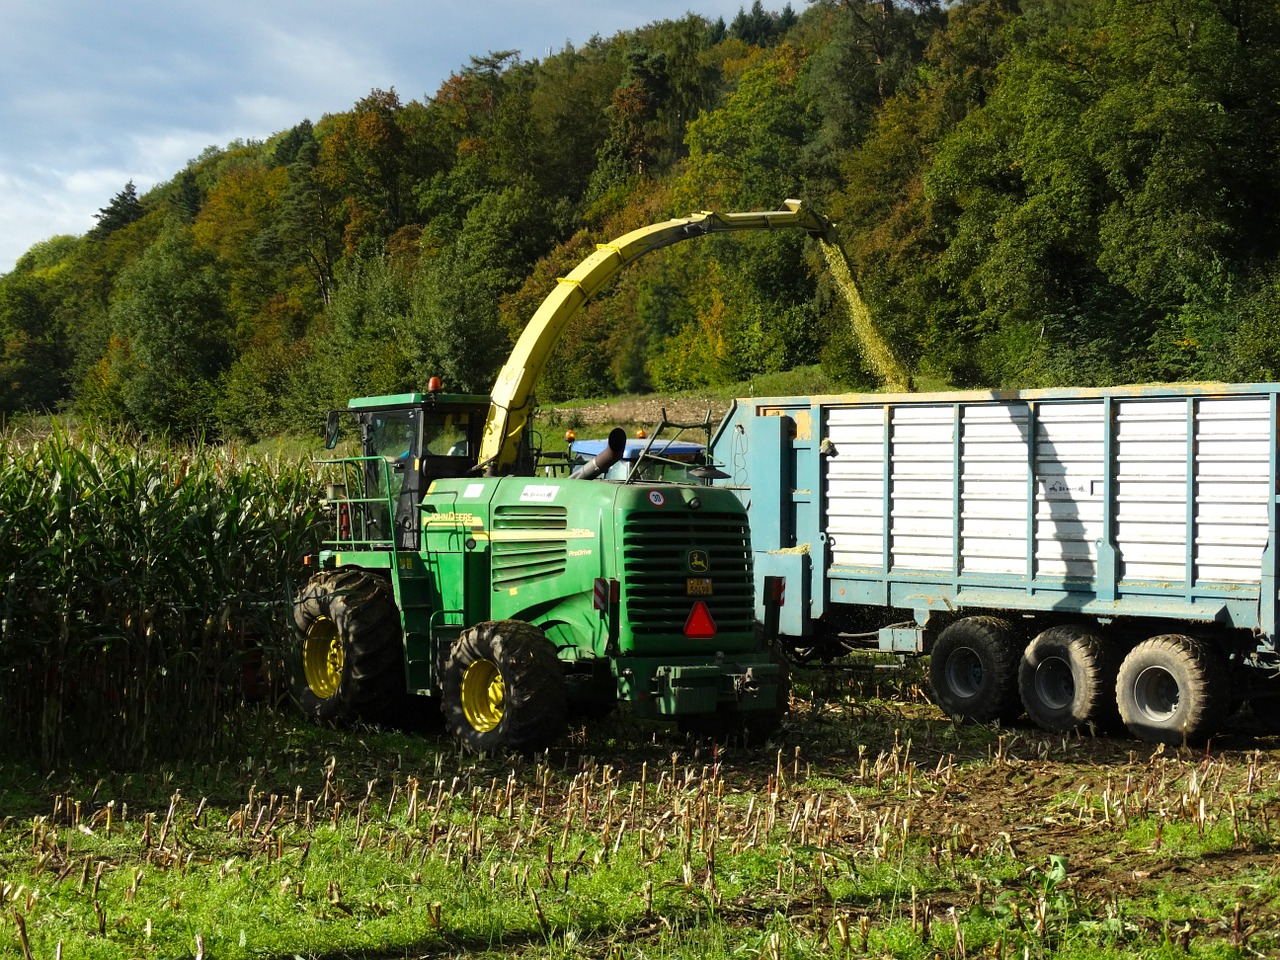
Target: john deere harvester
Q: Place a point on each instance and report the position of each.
(455, 573)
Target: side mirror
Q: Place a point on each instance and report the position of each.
(331, 429)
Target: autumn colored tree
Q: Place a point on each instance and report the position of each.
(362, 158)
(1067, 192)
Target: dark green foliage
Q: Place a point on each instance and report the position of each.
(169, 316)
(760, 27)
(186, 197)
(368, 348)
(1063, 193)
(306, 234)
(455, 330)
(32, 361)
(125, 208)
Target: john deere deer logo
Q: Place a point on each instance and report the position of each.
(698, 561)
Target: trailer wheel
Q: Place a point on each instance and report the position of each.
(350, 657)
(1067, 679)
(1172, 689)
(974, 670)
(503, 688)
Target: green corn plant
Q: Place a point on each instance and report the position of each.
(138, 584)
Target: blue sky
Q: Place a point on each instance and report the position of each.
(95, 94)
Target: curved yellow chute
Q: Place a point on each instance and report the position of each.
(513, 391)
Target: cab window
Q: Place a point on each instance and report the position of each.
(448, 435)
(392, 436)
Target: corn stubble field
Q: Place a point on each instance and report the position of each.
(871, 826)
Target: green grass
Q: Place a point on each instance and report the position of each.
(914, 838)
(872, 826)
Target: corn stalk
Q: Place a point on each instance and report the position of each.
(139, 586)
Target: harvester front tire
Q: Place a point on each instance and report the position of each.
(1067, 679)
(1173, 689)
(503, 688)
(973, 670)
(351, 659)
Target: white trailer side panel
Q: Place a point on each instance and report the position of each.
(1021, 490)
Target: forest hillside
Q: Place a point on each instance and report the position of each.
(1035, 193)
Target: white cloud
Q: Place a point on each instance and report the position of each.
(33, 211)
(93, 95)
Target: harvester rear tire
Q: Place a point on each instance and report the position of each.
(503, 688)
(973, 670)
(1173, 689)
(350, 655)
(1067, 679)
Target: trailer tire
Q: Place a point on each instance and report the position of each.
(503, 688)
(1067, 680)
(1173, 689)
(973, 670)
(350, 659)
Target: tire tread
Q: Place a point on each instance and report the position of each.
(535, 711)
(362, 607)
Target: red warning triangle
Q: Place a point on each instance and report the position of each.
(700, 625)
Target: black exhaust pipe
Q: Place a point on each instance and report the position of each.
(605, 459)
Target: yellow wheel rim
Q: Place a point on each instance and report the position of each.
(484, 694)
(322, 658)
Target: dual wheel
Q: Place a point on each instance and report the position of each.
(501, 688)
(1168, 689)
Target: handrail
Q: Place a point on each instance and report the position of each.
(351, 465)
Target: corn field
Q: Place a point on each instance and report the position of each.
(143, 592)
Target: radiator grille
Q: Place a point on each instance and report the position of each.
(656, 552)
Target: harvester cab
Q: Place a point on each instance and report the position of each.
(406, 441)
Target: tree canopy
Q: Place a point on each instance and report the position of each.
(1030, 194)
